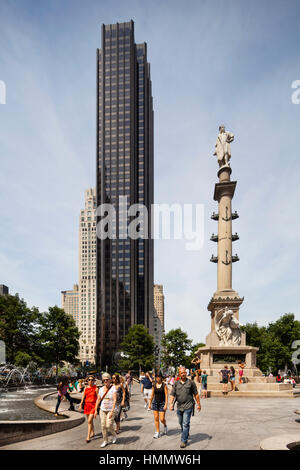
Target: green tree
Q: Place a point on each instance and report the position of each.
(22, 359)
(274, 342)
(138, 349)
(176, 345)
(59, 337)
(18, 329)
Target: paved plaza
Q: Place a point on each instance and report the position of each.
(223, 423)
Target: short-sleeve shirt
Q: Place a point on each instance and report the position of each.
(225, 373)
(108, 400)
(184, 394)
(204, 379)
(147, 383)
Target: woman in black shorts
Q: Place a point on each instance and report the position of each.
(159, 401)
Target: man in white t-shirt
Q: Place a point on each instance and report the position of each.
(107, 397)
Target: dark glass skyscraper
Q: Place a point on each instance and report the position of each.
(124, 169)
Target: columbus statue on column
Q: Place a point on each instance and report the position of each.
(223, 151)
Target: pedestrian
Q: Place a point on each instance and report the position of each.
(120, 400)
(129, 379)
(204, 384)
(232, 378)
(184, 391)
(89, 400)
(146, 389)
(126, 406)
(142, 375)
(172, 380)
(80, 386)
(225, 378)
(278, 378)
(159, 402)
(241, 372)
(72, 387)
(62, 394)
(107, 398)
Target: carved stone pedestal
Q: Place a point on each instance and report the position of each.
(213, 358)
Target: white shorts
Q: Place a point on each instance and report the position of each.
(147, 392)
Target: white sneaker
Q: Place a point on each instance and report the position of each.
(156, 435)
(166, 430)
(114, 440)
(145, 406)
(104, 443)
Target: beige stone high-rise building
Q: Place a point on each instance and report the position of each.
(159, 303)
(81, 301)
(158, 333)
(70, 302)
(87, 278)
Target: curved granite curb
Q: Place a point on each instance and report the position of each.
(16, 431)
(281, 442)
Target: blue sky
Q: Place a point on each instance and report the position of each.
(212, 62)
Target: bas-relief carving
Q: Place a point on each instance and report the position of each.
(227, 328)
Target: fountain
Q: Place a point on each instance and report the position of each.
(19, 386)
(12, 376)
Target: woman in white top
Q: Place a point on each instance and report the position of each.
(107, 397)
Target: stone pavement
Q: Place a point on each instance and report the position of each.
(223, 423)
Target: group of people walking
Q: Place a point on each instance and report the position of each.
(113, 398)
(109, 401)
(184, 392)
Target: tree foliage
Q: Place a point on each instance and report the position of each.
(18, 328)
(137, 348)
(176, 345)
(274, 342)
(59, 336)
(29, 335)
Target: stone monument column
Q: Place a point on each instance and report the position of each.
(226, 343)
(224, 191)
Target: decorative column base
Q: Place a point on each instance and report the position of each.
(213, 358)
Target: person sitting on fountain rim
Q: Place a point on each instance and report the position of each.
(62, 393)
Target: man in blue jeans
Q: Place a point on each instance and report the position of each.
(184, 392)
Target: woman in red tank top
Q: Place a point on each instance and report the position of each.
(90, 395)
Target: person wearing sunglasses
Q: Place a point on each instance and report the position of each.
(89, 399)
(159, 401)
(107, 399)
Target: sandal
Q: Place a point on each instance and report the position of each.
(87, 441)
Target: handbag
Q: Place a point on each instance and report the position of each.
(98, 409)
